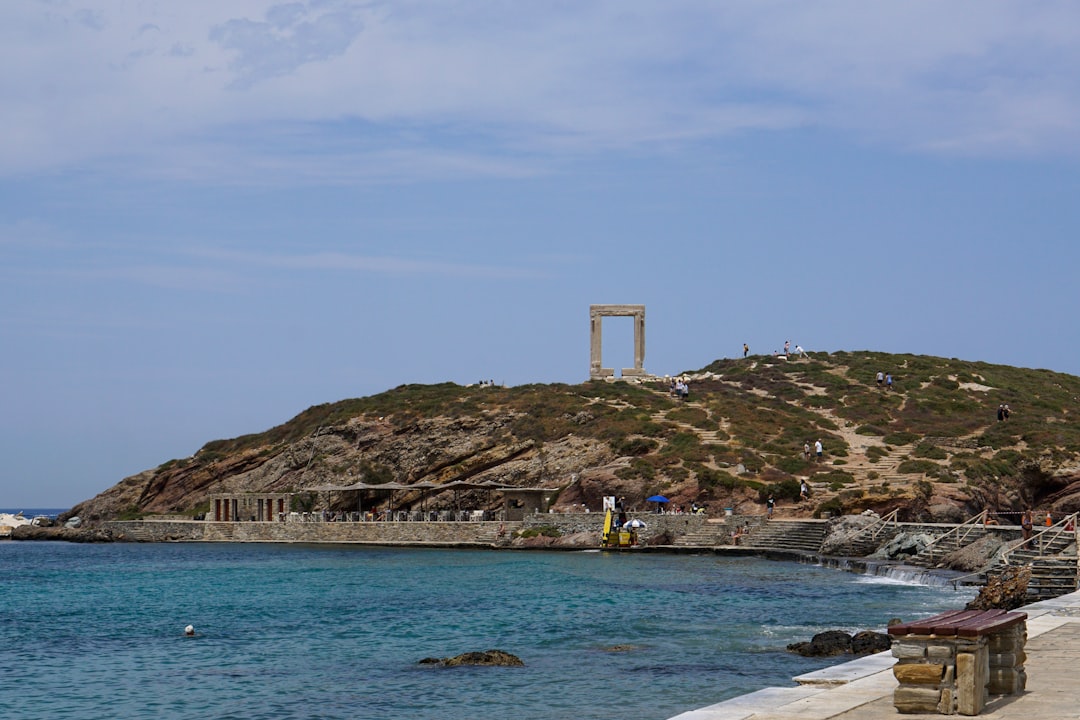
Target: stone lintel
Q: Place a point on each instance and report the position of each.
(616, 310)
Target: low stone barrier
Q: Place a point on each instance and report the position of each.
(951, 663)
(418, 533)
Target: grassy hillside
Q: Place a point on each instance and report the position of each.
(932, 441)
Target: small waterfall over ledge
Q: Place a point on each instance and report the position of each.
(897, 571)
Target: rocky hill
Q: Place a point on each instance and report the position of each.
(932, 446)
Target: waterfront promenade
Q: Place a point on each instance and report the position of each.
(862, 689)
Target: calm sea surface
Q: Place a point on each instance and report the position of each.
(288, 631)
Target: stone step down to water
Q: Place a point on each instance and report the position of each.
(788, 535)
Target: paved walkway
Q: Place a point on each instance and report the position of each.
(862, 689)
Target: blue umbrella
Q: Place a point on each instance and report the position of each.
(657, 498)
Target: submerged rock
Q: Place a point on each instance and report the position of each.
(497, 658)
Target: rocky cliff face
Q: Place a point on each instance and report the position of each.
(931, 447)
(438, 450)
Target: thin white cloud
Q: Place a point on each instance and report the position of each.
(373, 264)
(491, 87)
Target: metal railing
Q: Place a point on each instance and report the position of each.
(961, 532)
(883, 522)
(1043, 539)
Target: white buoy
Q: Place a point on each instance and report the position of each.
(189, 630)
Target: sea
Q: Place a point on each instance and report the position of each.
(337, 631)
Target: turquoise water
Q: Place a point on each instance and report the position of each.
(288, 631)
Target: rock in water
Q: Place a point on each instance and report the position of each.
(486, 658)
(825, 644)
(867, 642)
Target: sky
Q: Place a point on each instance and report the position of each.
(214, 215)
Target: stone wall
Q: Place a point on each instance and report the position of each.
(435, 533)
(388, 533)
(573, 523)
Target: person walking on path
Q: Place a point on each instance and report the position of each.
(888, 381)
(1001, 412)
(880, 378)
(806, 451)
(818, 449)
(769, 505)
(787, 346)
(804, 491)
(1026, 526)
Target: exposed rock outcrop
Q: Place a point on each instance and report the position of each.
(494, 658)
(1004, 591)
(903, 546)
(838, 642)
(973, 557)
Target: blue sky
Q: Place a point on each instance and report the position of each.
(215, 215)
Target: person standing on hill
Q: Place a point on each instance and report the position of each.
(880, 378)
(787, 346)
(770, 504)
(806, 451)
(745, 349)
(888, 381)
(818, 449)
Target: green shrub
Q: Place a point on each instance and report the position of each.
(710, 479)
(833, 506)
(901, 438)
(792, 465)
(870, 430)
(875, 453)
(543, 530)
(918, 467)
(638, 468)
(633, 446)
(932, 452)
(784, 490)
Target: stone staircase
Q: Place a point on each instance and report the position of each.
(1051, 577)
(798, 535)
(139, 533)
(490, 534)
(869, 541)
(1053, 560)
(710, 534)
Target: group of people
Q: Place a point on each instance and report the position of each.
(884, 380)
(819, 450)
(1003, 412)
(680, 388)
(787, 350)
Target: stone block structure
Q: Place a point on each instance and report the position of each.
(597, 313)
(951, 663)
